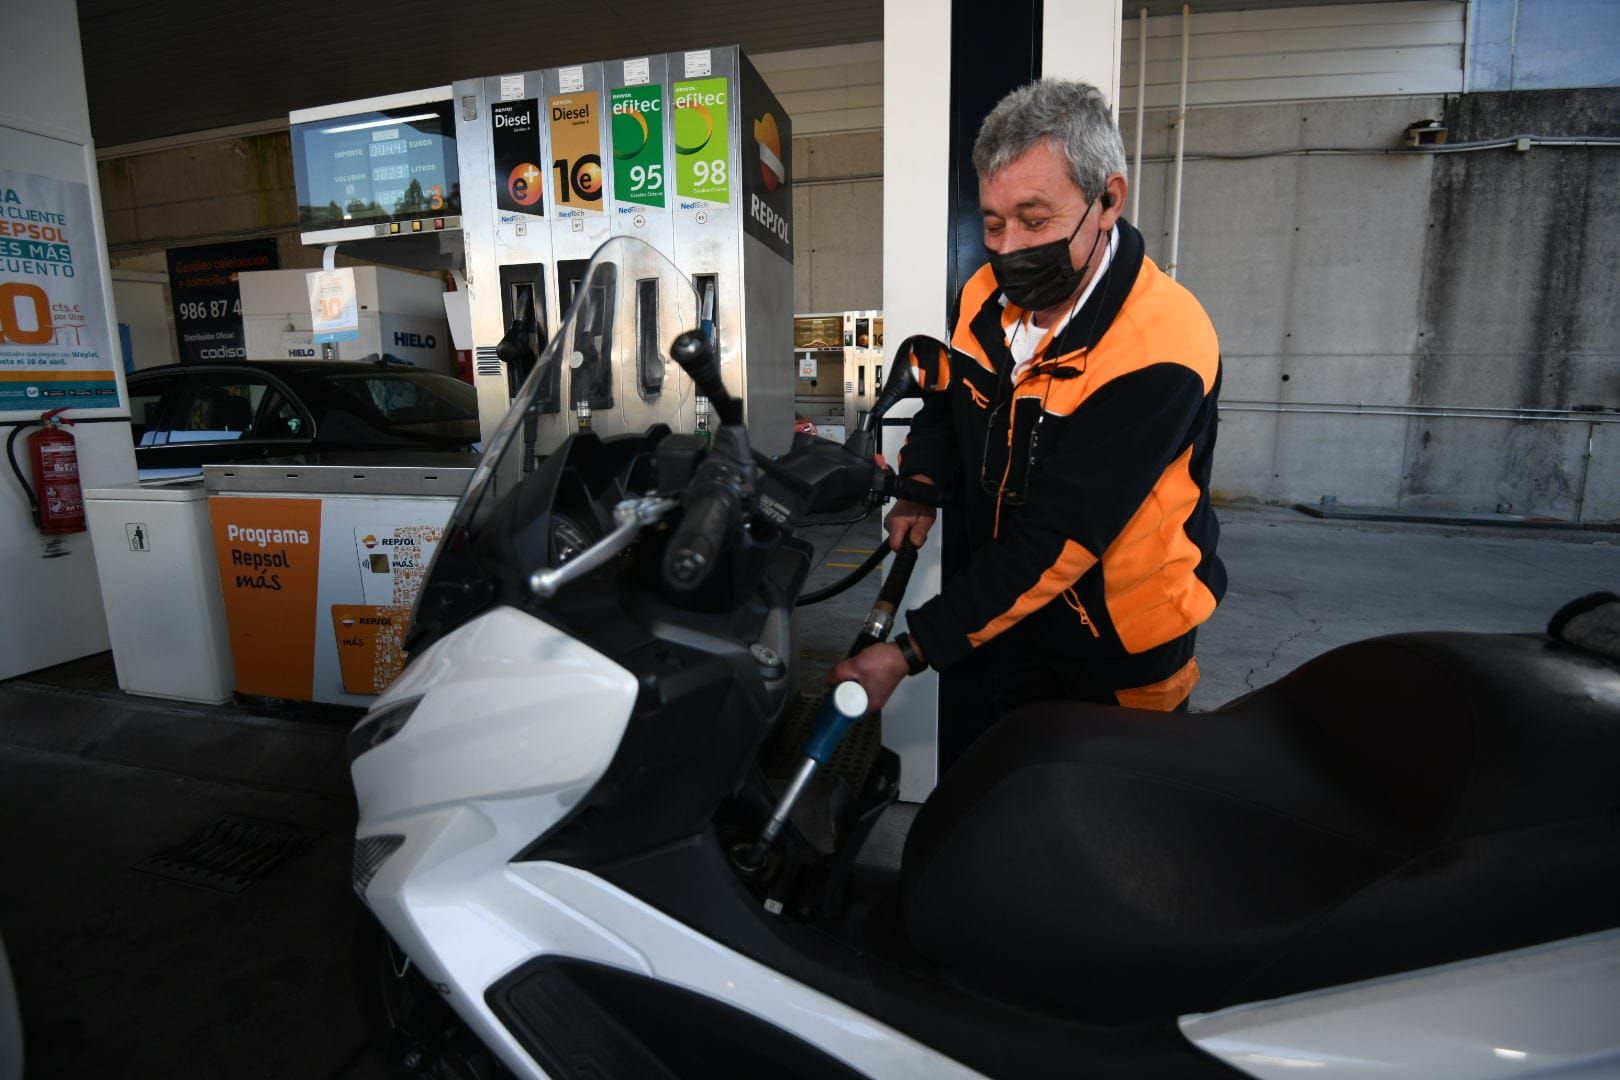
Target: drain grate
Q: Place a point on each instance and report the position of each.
(229, 853)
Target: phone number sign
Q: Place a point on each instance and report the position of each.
(208, 298)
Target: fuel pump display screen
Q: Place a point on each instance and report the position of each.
(375, 167)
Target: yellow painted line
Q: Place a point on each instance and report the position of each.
(855, 551)
(844, 565)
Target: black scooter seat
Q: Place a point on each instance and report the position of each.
(1394, 804)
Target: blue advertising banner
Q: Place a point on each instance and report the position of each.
(54, 347)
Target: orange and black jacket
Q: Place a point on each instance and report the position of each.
(1085, 484)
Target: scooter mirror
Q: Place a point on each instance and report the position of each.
(928, 360)
(921, 366)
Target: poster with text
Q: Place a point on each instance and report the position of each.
(268, 552)
(207, 296)
(703, 140)
(394, 560)
(638, 145)
(370, 644)
(55, 350)
(515, 135)
(576, 146)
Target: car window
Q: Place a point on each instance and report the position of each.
(218, 407)
(279, 418)
(412, 397)
(146, 408)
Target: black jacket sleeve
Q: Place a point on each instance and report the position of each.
(1110, 455)
(930, 448)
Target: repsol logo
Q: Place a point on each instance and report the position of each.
(396, 541)
(414, 341)
(375, 620)
(620, 108)
(515, 121)
(767, 217)
(258, 560)
(266, 537)
(224, 352)
(560, 113)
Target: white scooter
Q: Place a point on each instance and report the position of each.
(600, 841)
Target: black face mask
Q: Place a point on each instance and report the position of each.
(1039, 277)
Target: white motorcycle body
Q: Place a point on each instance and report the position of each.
(514, 722)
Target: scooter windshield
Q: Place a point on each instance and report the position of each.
(606, 369)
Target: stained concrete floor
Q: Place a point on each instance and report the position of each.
(1300, 586)
(124, 974)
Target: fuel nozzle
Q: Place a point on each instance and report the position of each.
(845, 705)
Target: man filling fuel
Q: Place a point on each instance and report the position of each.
(1076, 436)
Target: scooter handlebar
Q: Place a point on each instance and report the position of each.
(699, 539)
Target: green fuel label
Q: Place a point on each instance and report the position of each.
(638, 145)
(703, 140)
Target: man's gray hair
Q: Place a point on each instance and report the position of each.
(1075, 115)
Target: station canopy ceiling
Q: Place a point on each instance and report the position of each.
(173, 67)
(155, 69)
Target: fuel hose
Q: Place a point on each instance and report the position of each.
(854, 577)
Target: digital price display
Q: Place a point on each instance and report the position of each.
(369, 168)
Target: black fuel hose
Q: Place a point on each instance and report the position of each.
(11, 441)
(849, 580)
(880, 620)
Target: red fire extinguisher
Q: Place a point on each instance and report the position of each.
(58, 501)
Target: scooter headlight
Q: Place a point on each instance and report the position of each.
(376, 728)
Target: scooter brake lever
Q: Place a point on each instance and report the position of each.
(630, 516)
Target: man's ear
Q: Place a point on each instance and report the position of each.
(1112, 201)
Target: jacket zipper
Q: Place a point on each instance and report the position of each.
(1072, 598)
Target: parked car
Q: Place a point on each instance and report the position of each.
(185, 416)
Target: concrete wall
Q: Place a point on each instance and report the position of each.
(1357, 295)
(1522, 268)
(838, 205)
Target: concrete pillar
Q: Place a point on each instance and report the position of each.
(52, 608)
(916, 205)
(1080, 39)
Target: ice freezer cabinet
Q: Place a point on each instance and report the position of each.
(319, 565)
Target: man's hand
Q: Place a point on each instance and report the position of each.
(910, 519)
(878, 668)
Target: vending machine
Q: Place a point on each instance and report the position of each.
(863, 362)
(689, 152)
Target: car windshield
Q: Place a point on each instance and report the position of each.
(610, 356)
